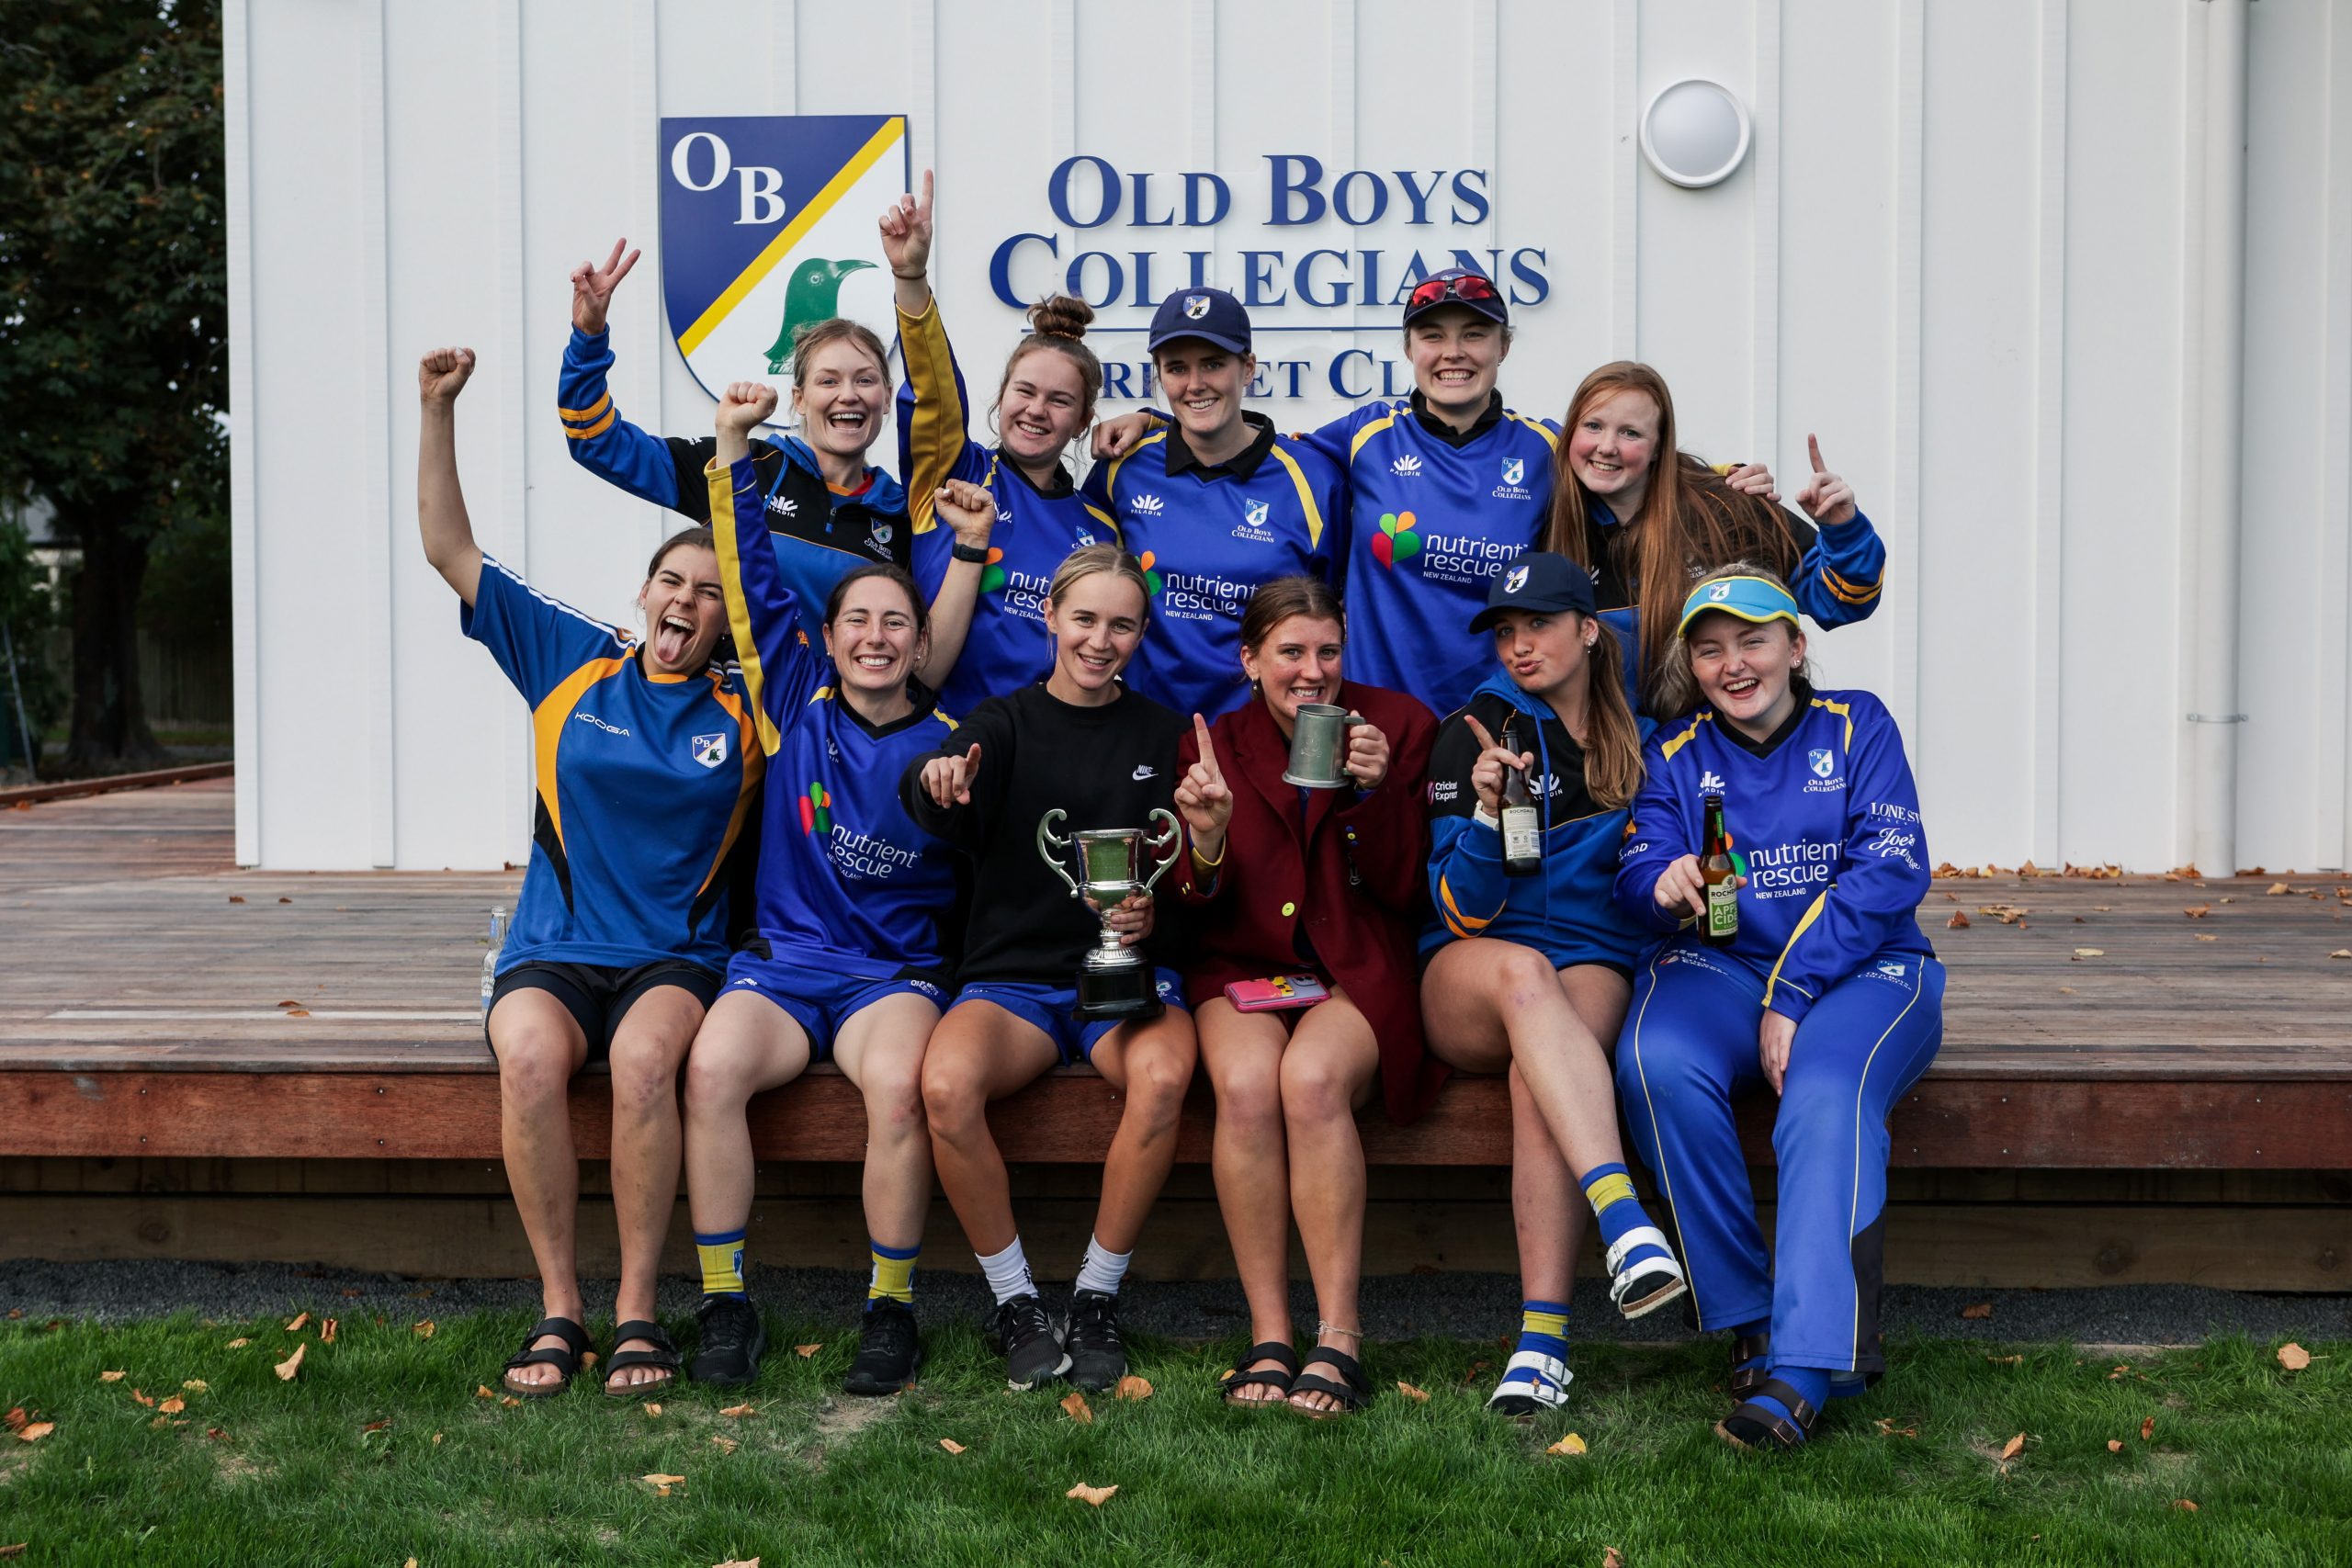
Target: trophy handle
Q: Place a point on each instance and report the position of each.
(1047, 842)
(1170, 837)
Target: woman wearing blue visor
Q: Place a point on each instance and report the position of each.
(1825, 991)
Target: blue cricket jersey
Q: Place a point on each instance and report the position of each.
(1007, 647)
(819, 533)
(847, 881)
(644, 782)
(1433, 514)
(1824, 824)
(1207, 538)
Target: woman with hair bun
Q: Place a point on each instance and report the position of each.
(1044, 399)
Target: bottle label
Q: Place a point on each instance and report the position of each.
(1723, 908)
(1522, 836)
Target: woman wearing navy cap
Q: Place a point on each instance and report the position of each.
(1528, 974)
(1827, 993)
(1212, 504)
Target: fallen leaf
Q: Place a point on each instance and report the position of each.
(1132, 1387)
(2119, 1371)
(34, 1431)
(300, 1319)
(509, 1401)
(587, 1359)
(422, 1330)
(2276, 888)
(2202, 937)
(1977, 1310)
(410, 1563)
(1076, 1407)
(723, 1443)
(951, 1445)
(220, 1436)
(292, 1364)
(236, 898)
(196, 1386)
(740, 1410)
(1571, 1444)
(1959, 920)
(2199, 912)
(662, 1483)
(111, 1377)
(738, 1563)
(16, 1418)
(1476, 1368)
(172, 1405)
(2010, 1450)
(437, 1436)
(236, 1344)
(2184, 1504)
(146, 1399)
(377, 1425)
(2090, 952)
(2148, 1429)
(805, 1351)
(1096, 1495)
(653, 1408)
(1612, 1558)
(350, 1292)
(483, 1391)
(286, 900)
(2342, 953)
(1887, 1428)
(2007, 1360)
(2115, 1445)
(327, 1327)
(2293, 1357)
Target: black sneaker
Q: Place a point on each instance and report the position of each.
(1098, 1357)
(1025, 1334)
(890, 1352)
(732, 1339)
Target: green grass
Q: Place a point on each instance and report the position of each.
(264, 1472)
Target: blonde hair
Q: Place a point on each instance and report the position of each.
(1677, 686)
(1091, 560)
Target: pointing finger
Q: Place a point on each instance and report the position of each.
(1813, 445)
(1486, 741)
(923, 209)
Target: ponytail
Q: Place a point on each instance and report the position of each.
(1613, 749)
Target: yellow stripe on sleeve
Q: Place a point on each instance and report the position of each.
(937, 432)
(1457, 922)
(1305, 497)
(596, 429)
(592, 412)
(1812, 913)
(724, 533)
(1371, 429)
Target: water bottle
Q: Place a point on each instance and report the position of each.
(489, 959)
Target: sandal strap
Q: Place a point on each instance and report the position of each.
(1350, 1396)
(565, 1357)
(1773, 1388)
(642, 1328)
(624, 1359)
(1746, 1347)
(553, 1356)
(1347, 1365)
(1548, 1368)
(1276, 1378)
(1273, 1350)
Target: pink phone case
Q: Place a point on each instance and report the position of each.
(1282, 991)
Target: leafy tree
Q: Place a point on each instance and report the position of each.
(113, 312)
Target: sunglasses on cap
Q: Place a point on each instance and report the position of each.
(1473, 289)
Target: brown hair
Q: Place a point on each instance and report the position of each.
(700, 539)
(807, 340)
(1691, 520)
(894, 573)
(1088, 561)
(1278, 599)
(1612, 742)
(1057, 325)
(1677, 687)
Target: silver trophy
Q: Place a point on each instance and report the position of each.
(1114, 981)
(1318, 746)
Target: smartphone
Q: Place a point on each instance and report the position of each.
(1281, 991)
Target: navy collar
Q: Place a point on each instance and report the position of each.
(1241, 465)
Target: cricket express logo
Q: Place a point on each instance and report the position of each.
(767, 226)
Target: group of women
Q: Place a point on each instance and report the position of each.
(885, 689)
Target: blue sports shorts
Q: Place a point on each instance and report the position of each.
(1054, 1009)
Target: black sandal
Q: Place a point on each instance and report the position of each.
(1353, 1392)
(1748, 1353)
(664, 1356)
(1278, 1377)
(564, 1359)
(1753, 1426)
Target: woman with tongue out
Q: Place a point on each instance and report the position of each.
(827, 509)
(647, 764)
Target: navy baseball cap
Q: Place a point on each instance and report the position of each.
(1457, 286)
(1538, 580)
(1210, 314)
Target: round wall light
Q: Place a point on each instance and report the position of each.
(1695, 132)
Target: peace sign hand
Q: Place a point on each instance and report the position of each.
(906, 233)
(1827, 499)
(1487, 774)
(1202, 798)
(591, 287)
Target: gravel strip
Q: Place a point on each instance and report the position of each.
(1457, 1306)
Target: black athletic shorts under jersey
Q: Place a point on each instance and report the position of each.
(598, 996)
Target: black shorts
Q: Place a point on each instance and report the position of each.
(598, 996)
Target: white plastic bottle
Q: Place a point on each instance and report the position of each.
(489, 959)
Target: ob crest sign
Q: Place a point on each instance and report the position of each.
(767, 224)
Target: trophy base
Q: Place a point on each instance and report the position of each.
(1130, 993)
(1291, 778)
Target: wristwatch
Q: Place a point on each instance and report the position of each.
(976, 554)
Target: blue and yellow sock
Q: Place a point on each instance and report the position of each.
(1610, 1190)
(894, 1274)
(1543, 1329)
(722, 1263)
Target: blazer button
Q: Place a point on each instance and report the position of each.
(1289, 909)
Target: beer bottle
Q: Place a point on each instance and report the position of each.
(1522, 824)
(1721, 927)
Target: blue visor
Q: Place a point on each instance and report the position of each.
(1749, 598)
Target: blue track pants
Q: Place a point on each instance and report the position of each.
(1688, 1046)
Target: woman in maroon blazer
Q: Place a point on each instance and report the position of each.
(1287, 881)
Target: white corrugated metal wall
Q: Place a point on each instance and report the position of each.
(1964, 248)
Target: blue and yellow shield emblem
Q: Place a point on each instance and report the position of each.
(767, 224)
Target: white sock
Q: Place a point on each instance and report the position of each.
(1104, 1270)
(1008, 1273)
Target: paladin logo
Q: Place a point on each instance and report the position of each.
(1147, 505)
(710, 749)
(1710, 781)
(817, 810)
(1405, 467)
(782, 505)
(1397, 539)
